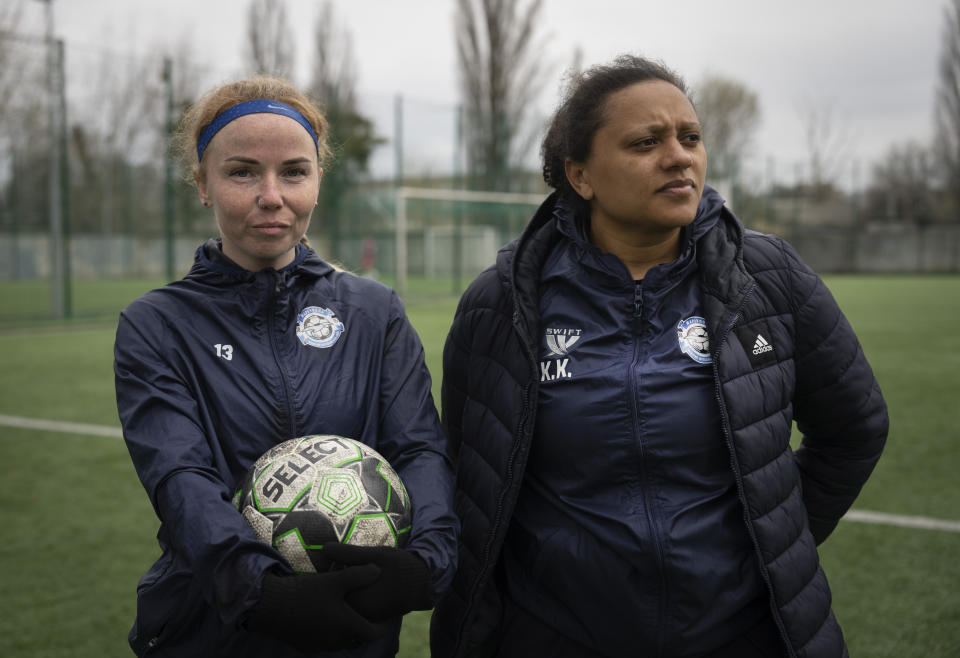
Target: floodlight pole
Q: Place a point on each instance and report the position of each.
(54, 189)
(401, 209)
(15, 208)
(64, 166)
(458, 207)
(168, 190)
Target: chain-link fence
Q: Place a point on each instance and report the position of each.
(87, 192)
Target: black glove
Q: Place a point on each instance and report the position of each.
(309, 611)
(404, 582)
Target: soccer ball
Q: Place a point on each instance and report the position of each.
(314, 490)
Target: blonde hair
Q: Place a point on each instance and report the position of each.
(202, 113)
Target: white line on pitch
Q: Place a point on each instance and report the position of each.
(57, 426)
(859, 516)
(864, 516)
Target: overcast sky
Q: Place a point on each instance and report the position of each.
(872, 62)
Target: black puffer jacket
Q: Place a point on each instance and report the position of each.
(817, 374)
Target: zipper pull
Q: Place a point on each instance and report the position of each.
(636, 322)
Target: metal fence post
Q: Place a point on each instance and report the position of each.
(168, 192)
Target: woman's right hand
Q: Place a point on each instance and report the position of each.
(310, 612)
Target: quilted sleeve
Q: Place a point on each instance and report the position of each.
(454, 385)
(838, 406)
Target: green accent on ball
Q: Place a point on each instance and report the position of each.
(296, 531)
(293, 503)
(389, 485)
(357, 458)
(348, 535)
(256, 480)
(339, 492)
(404, 498)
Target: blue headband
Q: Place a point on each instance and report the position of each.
(259, 106)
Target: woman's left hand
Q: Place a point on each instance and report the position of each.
(404, 582)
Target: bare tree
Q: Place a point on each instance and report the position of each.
(730, 113)
(828, 145)
(11, 70)
(124, 122)
(122, 129)
(24, 120)
(500, 76)
(334, 85)
(901, 185)
(352, 135)
(270, 45)
(23, 81)
(334, 70)
(188, 76)
(119, 140)
(129, 104)
(947, 145)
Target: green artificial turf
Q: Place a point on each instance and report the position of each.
(78, 530)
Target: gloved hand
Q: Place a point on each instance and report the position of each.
(310, 613)
(403, 585)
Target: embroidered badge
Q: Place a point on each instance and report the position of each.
(318, 327)
(693, 338)
(559, 341)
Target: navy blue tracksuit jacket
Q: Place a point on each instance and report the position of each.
(213, 370)
(628, 471)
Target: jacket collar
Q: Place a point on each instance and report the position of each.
(576, 229)
(210, 259)
(715, 232)
(519, 264)
(724, 278)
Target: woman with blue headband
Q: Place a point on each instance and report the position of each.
(214, 369)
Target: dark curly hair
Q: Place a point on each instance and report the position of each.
(581, 113)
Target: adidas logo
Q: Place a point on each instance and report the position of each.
(753, 339)
(761, 345)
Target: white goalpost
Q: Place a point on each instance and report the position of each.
(444, 194)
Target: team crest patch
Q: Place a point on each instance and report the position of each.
(559, 341)
(693, 338)
(318, 327)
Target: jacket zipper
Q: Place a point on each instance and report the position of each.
(636, 326)
(291, 412)
(735, 467)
